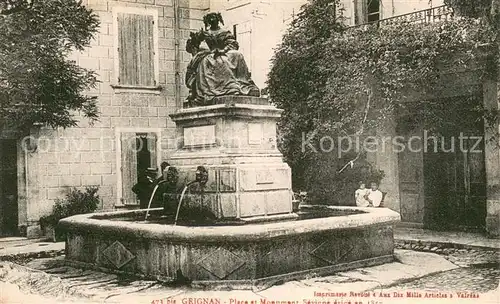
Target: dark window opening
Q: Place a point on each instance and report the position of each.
(143, 153)
(373, 10)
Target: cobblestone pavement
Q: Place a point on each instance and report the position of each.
(463, 279)
(465, 258)
(479, 272)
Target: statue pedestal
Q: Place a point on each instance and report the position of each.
(235, 140)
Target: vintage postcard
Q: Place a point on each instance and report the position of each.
(249, 151)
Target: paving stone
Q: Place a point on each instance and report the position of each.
(45, 263)
(461, 279)
(410, 268)
(30, 247)
(445, 237)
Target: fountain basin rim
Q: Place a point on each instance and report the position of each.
(94, 222)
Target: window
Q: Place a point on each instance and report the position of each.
(138, 151)
(136, 44)
(366, 11)
(373, 10)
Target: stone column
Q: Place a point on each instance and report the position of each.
(492, 162)
(22, 197)
(387, 161)
(28, 187)
(383, 157)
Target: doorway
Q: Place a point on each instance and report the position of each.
(8, 187)
(455, 185)
(139, 151)
(442, 178)
(411, 174)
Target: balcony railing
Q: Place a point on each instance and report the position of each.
(430, 15)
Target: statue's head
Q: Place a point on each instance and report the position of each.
(212, 20)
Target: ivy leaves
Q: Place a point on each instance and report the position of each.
(323, 76)
(331, 79)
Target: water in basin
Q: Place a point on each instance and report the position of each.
(156, 217)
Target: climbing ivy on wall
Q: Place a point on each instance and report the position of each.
(473, 9)
(340, 82)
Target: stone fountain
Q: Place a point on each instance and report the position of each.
(235, 138)
(258, 239)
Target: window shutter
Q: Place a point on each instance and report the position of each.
(136, 49)
(128, 167)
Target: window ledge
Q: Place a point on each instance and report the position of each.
(136, 89)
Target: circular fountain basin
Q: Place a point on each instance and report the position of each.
(321, 240)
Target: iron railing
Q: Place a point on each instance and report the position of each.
(430, 15)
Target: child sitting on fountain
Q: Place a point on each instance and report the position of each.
(374, 195)
(360, 195)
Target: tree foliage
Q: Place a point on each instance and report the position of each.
(38, 84)
(348, 82)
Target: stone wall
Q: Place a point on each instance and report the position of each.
(492, 160)
(86, 155)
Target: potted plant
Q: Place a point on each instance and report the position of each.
(75, 202)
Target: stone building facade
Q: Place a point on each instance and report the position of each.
(134, 100)
(135, 131)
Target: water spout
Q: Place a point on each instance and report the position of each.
(151, 198)
(180, 200)
(201, 178)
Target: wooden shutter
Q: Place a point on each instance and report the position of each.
(136, 50)
(128, 167)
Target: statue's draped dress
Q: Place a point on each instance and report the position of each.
(209, 75)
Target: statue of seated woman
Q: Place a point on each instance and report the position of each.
(217, 68)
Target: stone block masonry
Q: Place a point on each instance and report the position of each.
(87, 154)
(239, 257)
